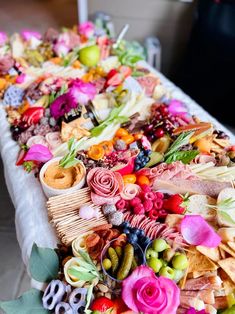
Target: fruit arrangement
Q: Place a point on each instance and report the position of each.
(140, 192)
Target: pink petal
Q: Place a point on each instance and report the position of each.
(129, 282)
(86, 29)
(177, 107)
(3, 38)
(196, 231)
(39, 153)
(27, 35)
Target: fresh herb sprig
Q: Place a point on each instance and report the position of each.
(70, 159)
(175, 154)
(113, 118)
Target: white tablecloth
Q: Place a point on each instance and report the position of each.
(25, 190)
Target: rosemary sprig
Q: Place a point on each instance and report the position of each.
(182, 140)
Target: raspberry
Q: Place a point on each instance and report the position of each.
(162, 213)
(153, 214)
(139, 209)
(146, 188)
(159, 195)
(148, 205)
(121, 204)
(157, 204)
(135, 201)
(149, 196)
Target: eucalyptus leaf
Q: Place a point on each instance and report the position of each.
(86, 276)
(183, 156)
(226, 216)
(43, 264)
(29, 303)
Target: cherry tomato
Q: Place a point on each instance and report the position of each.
(96, 152)
(138, 136)
(121, 132)
(141, 180)
(129, 178)
(107, 146)
(128, 139)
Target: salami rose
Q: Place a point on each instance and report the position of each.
(105, 186)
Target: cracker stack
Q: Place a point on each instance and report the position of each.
(63, 213)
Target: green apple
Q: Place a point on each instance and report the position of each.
(167, 272)
(89, 56)
(180, 261)
(155, 264)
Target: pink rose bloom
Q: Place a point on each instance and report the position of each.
(143, 292)
(87, 29)
(3, 38)
(82, 92)
(28, 35)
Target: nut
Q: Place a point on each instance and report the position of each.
(108, 295)
(102, 288)
(95, 281)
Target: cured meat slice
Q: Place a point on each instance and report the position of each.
(201, 283)
(148, 83)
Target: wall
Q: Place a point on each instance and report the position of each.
(170, 20)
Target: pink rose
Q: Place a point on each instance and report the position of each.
(143, 292)
(28, 35)
(82, 92)
(87, 29)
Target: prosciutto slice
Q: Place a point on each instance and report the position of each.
(201, 283)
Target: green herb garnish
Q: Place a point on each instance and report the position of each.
(70, 159)
(182, 140)
(183, 156)
(113, 118)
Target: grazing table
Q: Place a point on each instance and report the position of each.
(25, 190)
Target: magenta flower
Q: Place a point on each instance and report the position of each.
(143, 292)
(38, 153)
(87, 29)
(62, 105)
(28, 35)
(177, 107)
(196, 231)
(193, 311)
(3, 38)
(82, 92)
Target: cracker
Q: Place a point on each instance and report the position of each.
(199, 262)
(228, 265)
(211, 253)
(227, 249)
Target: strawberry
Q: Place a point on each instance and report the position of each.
(120, 307)
(173, 204)
(20, 158)
(102, 305)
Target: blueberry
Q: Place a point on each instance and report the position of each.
(126, 231)
(145, 159)
(137, 167)
(148, 152)
(141, 153)
(132, 238)
(138, 161)
(125, 224)
(141, 233)
(148, 158)
(135, 231)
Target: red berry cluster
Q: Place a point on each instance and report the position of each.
(147, 203)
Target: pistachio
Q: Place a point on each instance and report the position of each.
(102, 288)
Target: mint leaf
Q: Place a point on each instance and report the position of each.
(30, 302)
(183, 156)
(43, 264)
(182, 139)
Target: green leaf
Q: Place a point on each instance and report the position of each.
(184, 156)
(43, 264)
(182, 139)
(86, 276)
(86, 257)
(30, 302)
(112, 118)
(88, 299)
(228, 203)
(137, 73)
(226, 217)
